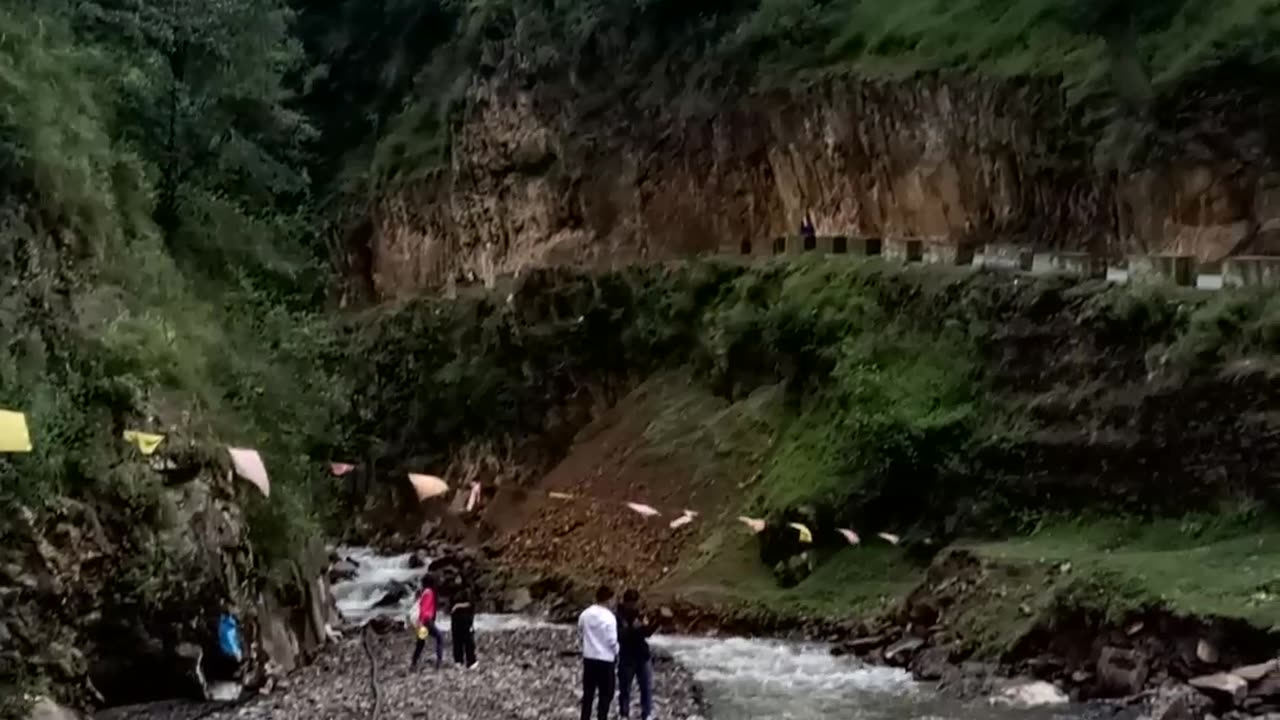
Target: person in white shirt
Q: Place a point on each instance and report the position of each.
(599, 629)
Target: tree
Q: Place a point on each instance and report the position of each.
(204, 94)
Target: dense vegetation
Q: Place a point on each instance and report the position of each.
(961, 382)
(1128, 69)
(1121, 431)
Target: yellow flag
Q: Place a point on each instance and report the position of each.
(805, 536)
(146, 442)
(14, 436)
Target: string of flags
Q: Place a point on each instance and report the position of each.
(15, 437)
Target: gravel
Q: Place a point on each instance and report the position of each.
(525, 674)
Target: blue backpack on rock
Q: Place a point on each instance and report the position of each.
(229, 637)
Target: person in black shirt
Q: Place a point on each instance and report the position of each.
(462, 616)
(634, 662)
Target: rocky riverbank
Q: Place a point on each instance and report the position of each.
(524, 673)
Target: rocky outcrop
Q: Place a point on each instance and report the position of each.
(543, 172)
(116, 609)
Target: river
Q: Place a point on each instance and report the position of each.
(743, 678)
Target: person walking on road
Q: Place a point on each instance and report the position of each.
(599, 629)
(426, 624)
(634, 662)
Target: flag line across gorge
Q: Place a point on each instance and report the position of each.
(15, 437)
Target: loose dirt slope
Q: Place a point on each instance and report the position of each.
(631, 454)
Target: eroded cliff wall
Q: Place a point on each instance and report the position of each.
(543, 172)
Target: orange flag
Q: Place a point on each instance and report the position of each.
(756, 526)
(428, 486)
(248, 465)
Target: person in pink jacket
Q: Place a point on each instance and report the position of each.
(427, 624)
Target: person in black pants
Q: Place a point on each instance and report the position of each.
(462, 615)
(599, 629)
(634, 662)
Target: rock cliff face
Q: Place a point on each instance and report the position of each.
(545, 173)
(112, 611)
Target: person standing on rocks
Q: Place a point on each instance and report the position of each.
(599, 630)
(463, 616)
(634, 662)
(427, 624)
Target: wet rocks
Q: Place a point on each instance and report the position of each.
(1121, 671)
(1222, 686)
(1178, 702)
(45, 709)
(343, 570)
(1029, 694)
(900, 653)
(932, 663)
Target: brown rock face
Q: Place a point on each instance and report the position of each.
(547, 174)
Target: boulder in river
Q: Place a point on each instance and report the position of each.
(933, 663)
(1222, 686)
(1030, 694)
(900, 653)
(1254, 673)
(343, 570)
(46, 709)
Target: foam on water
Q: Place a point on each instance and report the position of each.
(748, 679)
(376, 576)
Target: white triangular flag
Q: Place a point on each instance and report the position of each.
(850, 535)
(684, 519)
(756, 526)
(560, 496)
(427, 486)
(248, 465)
(890, 537)
(643, 509)
(474, 498)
